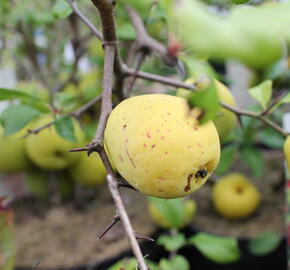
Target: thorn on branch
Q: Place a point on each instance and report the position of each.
(115, 220)
(143, 237)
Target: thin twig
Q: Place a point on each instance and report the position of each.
(85, 20)
(257, 116)
(75, 114)
(274, 102)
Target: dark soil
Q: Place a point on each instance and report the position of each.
(62, 236)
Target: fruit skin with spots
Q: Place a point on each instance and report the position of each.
(12, 152)
(48, 150)
(225, 121)
(286, 148)
(156, 143)
(88, 171)
(235, 197)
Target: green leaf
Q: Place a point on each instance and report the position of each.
(172, 242)
(7, 94)
(271, 138)
(61, 9)
(16, 117)
(253, 158)
(227, 159)
(173, 210)
(262, 93)
(65, 128)
(207, 100)
(131, 264)
(264, 243)
(216, 248)
(178, 262)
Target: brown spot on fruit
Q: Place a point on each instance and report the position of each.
(121, 158)
(144, 145)
(153, 146)
(187, 187)
(202, 173)
(161, 178)
(162, 137)
(160, 190)
(124, 126)
(148, 135)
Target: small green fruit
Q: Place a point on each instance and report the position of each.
(12, 152)
(88, 171)
(48, 150)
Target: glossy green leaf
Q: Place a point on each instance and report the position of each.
(172, 242)
(172, 210)
(61, 9)
(65, 128)
(178, 262)
(264, 243)
(7, 94)
(131, 264)
(262, 93)
(216, 248)
(254, 159)
(227, 159)
(16, 117)
(207, 101)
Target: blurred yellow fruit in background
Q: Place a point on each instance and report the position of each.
(88, 171)
(235, 197)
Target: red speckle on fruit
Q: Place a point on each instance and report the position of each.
(157, 130)
(144, 145)
(161, 178)
(162, 137)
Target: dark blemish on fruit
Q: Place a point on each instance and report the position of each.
(187, 187)
(202, 173)
(157, 130)
(148, 135)
(168, 113)
(162, 137)
(188, 146)
(160, 190)
(195, 128)
(121, 158)
(166, 153)
(144, 145)
(202, 153)
(124, 126)
(58, 153)
(198, 144)
(187, 123)
(153, 145)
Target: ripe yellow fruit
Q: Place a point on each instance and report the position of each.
(235, 197)
(88, 171)
(48, 150)
(161, 219)
(156, 143)
(225, 121)
(286, 149)
(12, 152)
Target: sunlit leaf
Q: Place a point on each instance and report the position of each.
(172, 242)
(262, 93)
(16, 117)
(216, 248)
